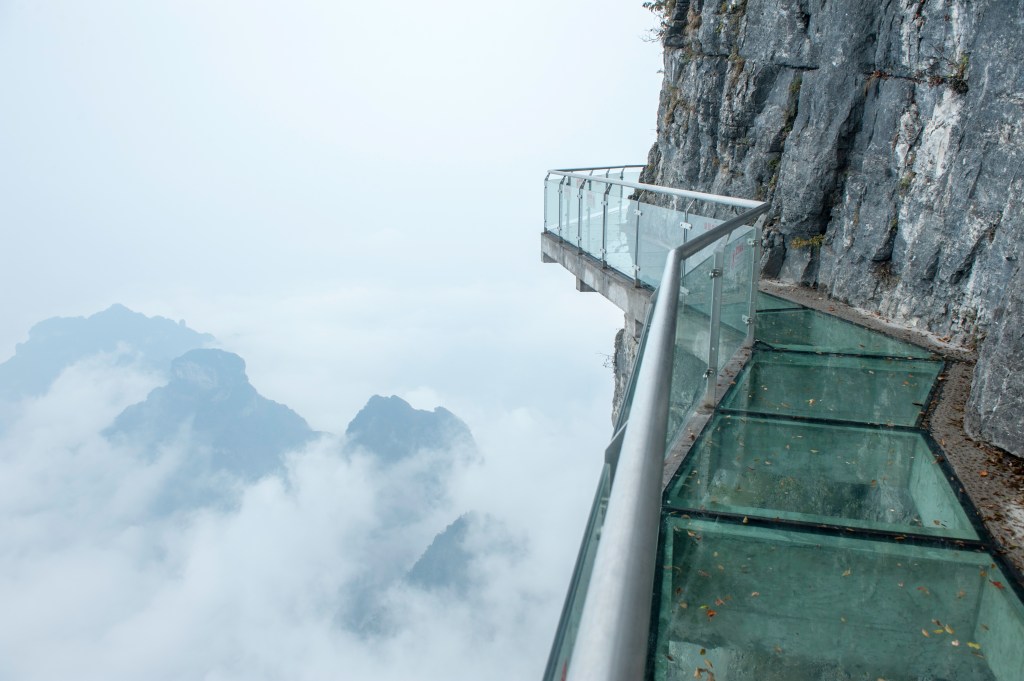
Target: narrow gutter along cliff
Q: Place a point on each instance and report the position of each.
(889, 137)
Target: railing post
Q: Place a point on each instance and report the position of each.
(579, 221)
(636, 248)
(755, 273)
(604, 226)
(716, 326)
(546, 178)
(561, 211)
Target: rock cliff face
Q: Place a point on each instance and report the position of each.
(889, 137)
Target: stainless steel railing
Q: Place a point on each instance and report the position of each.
(611, 640)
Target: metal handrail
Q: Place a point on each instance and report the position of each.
(611, 643)
(580, 170)
(655, 189)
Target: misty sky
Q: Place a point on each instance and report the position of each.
(349, 196)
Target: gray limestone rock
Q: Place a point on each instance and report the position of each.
(889, 137)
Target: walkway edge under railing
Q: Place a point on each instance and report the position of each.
(611, 643)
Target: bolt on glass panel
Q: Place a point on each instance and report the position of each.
(751, 603)
(855, 476)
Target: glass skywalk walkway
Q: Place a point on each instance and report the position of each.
(812, 531)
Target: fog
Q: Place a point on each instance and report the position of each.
(349, 197)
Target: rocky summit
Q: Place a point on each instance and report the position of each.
(56, 343)
(393, 430)
(209, 399)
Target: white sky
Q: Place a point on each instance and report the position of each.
(346, 194)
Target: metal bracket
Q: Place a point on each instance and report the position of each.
(686, 226)
(683, 291)
(750, 242)
(715, 273)
(709, 372)
(748, 320)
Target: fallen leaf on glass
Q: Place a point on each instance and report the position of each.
(848, 572)
(998, 585)
(972, 644)
(755, 594)
(925, 633)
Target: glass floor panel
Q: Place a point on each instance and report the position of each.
(864, 389)
(766, 301)
(810, 330)
(855, 476)
(756, 604)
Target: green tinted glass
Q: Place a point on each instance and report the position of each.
(809, 330)
(865, 389)
(754, 604)
(845, 475)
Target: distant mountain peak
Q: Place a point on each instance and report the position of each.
(55, 344)
(394, 430)
(448, 562)
(211, 394)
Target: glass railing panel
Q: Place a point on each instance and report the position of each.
(660, 231)
(750, 603)
(690, 359)
(813, 331)
(621, 238)
(590, 231)
(737, 275)
(856, 476)
(568, 625)
(571, 227)
(552, 188)
(846, 388)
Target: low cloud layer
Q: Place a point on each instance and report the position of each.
(271, 583)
